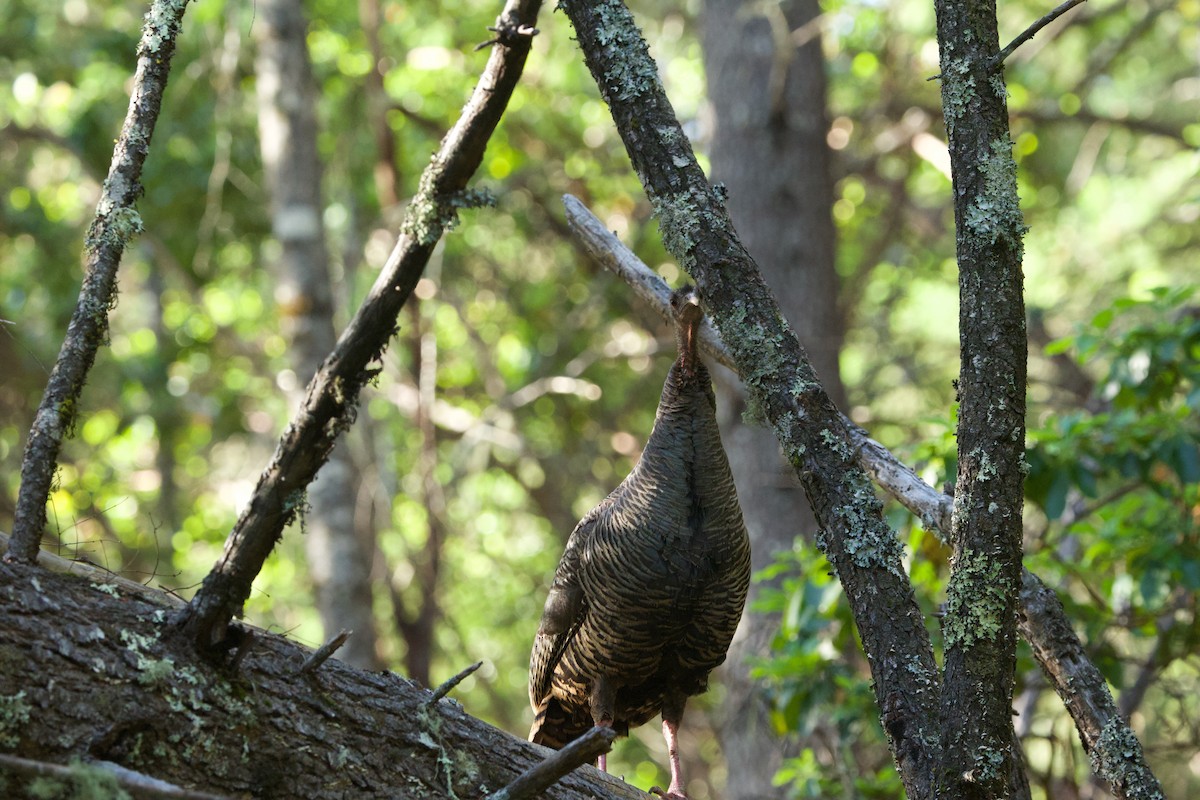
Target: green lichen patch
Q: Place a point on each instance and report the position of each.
(1117, 758)
(82, 782)
(867, 540)
(161, 24)
(995, 213)
(989, 759)
(14, 716)
(958, 90)
(679, 223)
(977, 600)
(431, 214)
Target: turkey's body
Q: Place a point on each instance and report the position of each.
(652, 584)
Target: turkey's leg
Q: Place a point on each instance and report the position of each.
(672, 718)
(602, 759)
(671, 734)
(602, 701)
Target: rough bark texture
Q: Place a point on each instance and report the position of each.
(94, 672)
(1115, 751)
(779, 378)
(337, 562)
(768, 149)
(115, 223)
(980, 624)
(331, 399)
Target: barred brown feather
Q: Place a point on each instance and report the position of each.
(652, 584)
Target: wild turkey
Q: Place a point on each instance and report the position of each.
(651, 587)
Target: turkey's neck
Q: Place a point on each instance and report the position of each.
(687, 338)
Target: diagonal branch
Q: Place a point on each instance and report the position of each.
(779, 379)
(331, 398)
(1033, 30)
(115, 224)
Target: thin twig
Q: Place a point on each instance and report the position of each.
(1033, 30)
(540, 776)
(322, 653)
(448, 686)
(134, 784)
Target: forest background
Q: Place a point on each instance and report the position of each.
(525, 378)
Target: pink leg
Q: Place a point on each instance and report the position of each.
(670, 733)
(602, 761)
(601, 700)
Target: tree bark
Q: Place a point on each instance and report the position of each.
(768, 149)
(93, 672)
(979, 625)
(337, 560)
(1115, 752)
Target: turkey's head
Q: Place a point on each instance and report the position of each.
(685, 305)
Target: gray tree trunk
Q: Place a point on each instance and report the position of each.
(338, 561)
(768, 148)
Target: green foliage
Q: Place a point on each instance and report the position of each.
(1118, 485)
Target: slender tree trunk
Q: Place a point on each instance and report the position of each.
(768, 148)
(979, 625)
(338, 562)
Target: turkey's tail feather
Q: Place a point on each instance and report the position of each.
(554, 726)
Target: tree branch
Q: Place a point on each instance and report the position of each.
(115, 224)
(1116, 754)
(1032, 31)
(330, 401)
(101, 776)
(538, 778)
(779, 378)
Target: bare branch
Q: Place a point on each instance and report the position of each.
(1032, 31)
(1115, 751)
(322, 653)
(536, 779)
(115, 224)
(448, 685)
(102, 775)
